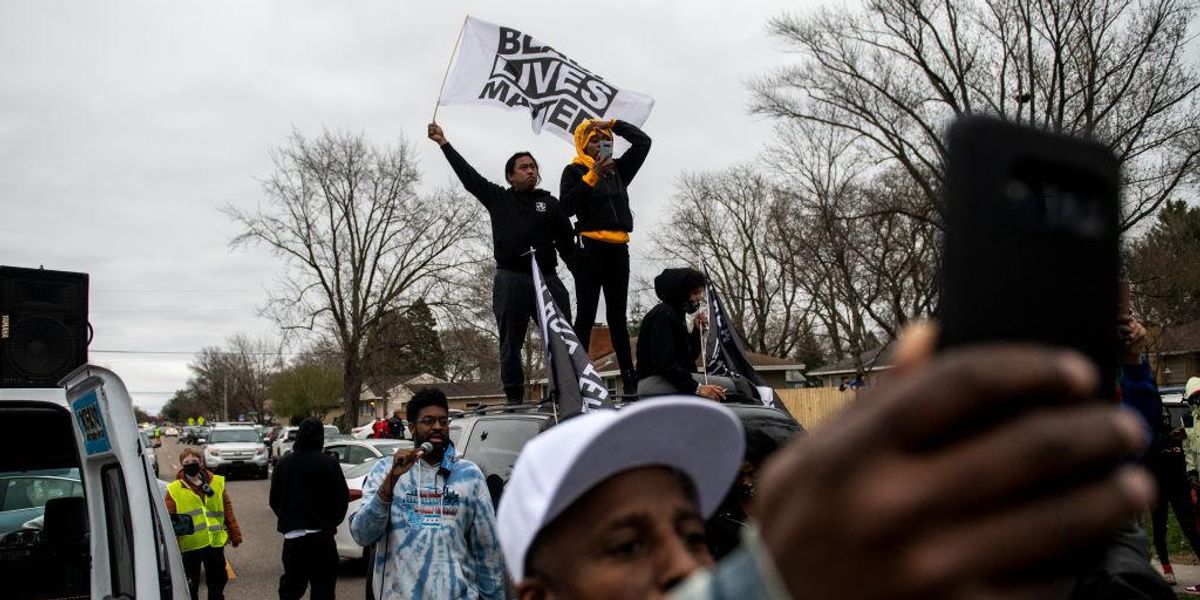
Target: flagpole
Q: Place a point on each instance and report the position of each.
(449, 63)
(703, 339)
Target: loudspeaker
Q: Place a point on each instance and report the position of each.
(43, 326)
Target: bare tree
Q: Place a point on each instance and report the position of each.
(234, 379)
(895, 73)
(358, 240)
(721, 221)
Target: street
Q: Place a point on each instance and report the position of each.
(257, 561)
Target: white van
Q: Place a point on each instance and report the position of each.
(81, 514)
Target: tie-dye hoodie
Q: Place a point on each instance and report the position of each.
(440, 543)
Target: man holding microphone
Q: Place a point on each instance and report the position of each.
(429, 516)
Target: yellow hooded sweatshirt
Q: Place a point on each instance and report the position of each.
(584, 133)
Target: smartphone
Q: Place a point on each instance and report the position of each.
(1032, 241)
(605, 149)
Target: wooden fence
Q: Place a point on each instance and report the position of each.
(810, 406)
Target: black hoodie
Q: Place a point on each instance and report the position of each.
(308, 490)
(664, 346)
(520, 220)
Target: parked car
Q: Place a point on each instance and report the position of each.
(355, 475)
(23, 496)
(171, 431)
(353, 452)
(492, 437)
(283, 443)
(236, 450)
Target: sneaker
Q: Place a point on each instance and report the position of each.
(1192, 589)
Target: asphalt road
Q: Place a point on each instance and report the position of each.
(257, 561)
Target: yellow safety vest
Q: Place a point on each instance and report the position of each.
(208, 514)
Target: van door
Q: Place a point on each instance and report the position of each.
(134, 553)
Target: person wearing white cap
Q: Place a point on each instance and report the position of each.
(613, 503)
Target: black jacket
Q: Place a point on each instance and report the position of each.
(606, 206)
(308, 490)
(520, 220)
(664, 346)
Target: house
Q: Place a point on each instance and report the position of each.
(1176, 354)
(380, 398)
(869, 363)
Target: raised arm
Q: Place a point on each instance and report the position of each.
(477, 185)
(631, 161)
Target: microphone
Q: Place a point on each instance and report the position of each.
(425, 448)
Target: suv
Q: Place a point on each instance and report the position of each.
(492, 437)
(236, 449)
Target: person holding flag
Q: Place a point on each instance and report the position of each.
(594, 189)
(523, 217)
(666, 352)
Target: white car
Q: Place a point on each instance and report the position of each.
(283, 444)
(236, 449)
(363, 432)
(346, 546)
(148, 452)
(352, 452)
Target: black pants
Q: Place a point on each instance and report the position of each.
(604, 266)
(515, 302)
(1173, 491)
(215, 577)
(310, 559)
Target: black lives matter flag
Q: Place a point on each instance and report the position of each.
(570, 377)
(726, 354)
(500, 66)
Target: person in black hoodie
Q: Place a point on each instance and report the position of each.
(666, 352)
(523, 217)
(309, 496)
(594, 189)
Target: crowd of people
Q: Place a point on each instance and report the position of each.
(992, 471)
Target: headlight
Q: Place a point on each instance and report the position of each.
(212, 452)
(260, 451)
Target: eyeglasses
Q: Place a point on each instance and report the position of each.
(428, 421)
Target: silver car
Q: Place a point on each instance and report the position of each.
(356, 452)
(236, 450)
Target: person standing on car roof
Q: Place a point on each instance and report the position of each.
(429, 517)
(201, 495)
(310, 497)
(595, 190)
(523, 217)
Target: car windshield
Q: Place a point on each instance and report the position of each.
(24, 494)
(240, 434)
(362, 468)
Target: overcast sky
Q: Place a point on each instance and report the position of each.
(126, 126)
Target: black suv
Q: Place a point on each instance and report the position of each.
(492, 437)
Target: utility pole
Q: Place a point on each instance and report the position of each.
(225, 399)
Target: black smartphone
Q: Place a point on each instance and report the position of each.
(1031, 243)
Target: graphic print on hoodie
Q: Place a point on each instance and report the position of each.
(437, 538)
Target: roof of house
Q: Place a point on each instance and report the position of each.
(1180, 338)
(875, 359)
(465, 390)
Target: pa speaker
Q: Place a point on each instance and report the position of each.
(43, 326)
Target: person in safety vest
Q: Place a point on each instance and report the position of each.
(200, 494)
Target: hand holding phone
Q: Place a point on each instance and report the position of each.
(606, 150)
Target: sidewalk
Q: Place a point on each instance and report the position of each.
(1185, 575)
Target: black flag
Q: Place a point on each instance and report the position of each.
(726, 355)
(570, 377)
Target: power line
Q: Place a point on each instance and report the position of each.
(192, 352)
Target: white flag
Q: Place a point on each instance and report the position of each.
(500, 66)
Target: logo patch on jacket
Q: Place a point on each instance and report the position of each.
(539, 206)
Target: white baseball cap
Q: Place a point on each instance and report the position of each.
(700, 438)
(1193, 386)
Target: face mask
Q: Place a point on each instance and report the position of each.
(691, 306)
(191, 469)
